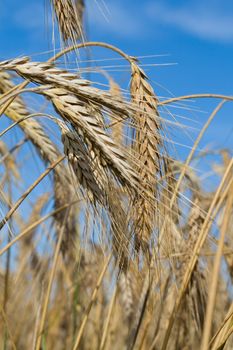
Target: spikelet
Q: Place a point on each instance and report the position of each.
(117, 121)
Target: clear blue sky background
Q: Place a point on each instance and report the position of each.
(197, 35)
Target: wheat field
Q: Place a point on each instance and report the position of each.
(108, 239)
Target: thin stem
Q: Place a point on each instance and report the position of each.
(187, 97)
(188, 161)
(91, 43)
(29, 190)
(215, 273)
(93, 297)
(51, 279)
(25, 118)
(35, 224)
(108, 318)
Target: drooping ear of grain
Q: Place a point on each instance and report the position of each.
(46, 149)
(74, 98)
(95, 181)
(83, 166)
(69, 15)
(31, 127)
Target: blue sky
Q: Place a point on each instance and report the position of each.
(197, 35)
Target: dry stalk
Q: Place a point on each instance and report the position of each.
(108, 318)
(49, 288)
(28, 191)
(92, 300)
(188, 97)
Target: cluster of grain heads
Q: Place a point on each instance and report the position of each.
(143, 250)
(18, 112)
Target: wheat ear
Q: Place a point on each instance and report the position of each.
(45, 148)
(146, 146)
(74, 98)
(82, 164)
(70, 18)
